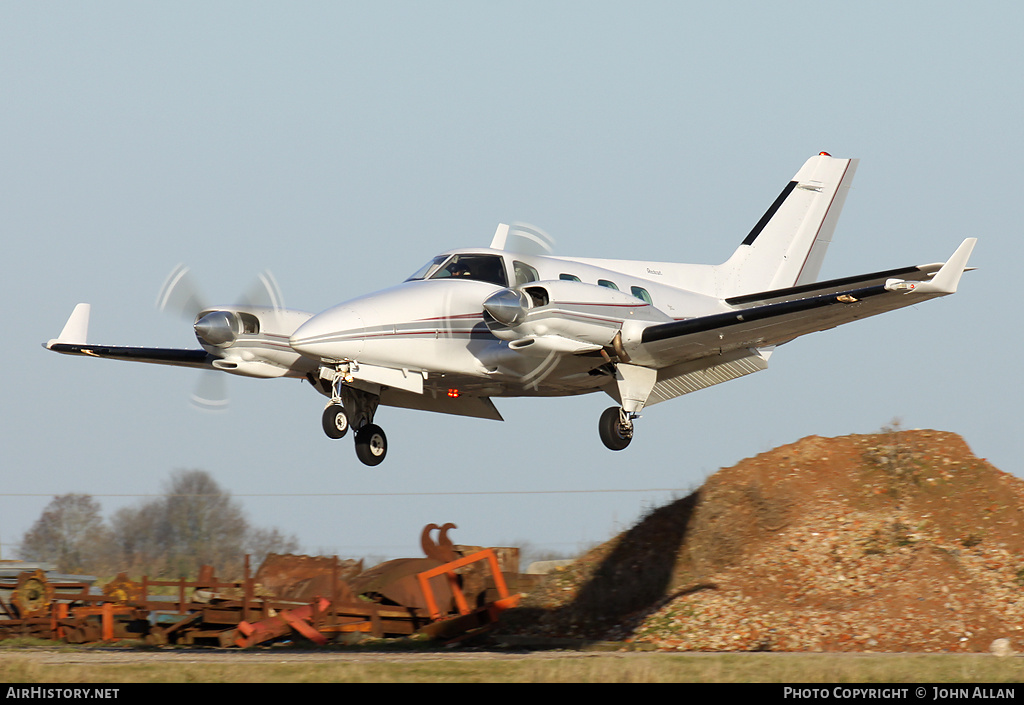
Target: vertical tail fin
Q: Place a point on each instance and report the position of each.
(787, 246)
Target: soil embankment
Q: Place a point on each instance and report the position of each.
(898, 541)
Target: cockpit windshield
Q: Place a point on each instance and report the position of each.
(429, 268)
(484, 268)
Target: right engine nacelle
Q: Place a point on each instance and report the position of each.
(564, 316)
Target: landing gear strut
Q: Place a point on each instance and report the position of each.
(616, 428)
(354, 407)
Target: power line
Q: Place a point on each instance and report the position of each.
(359, 494)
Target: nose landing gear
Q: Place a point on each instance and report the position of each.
(354, 407)
(371, 444)
(335, 421)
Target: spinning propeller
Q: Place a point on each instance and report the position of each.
(180, 296)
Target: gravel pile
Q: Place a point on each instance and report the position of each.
(898, 541)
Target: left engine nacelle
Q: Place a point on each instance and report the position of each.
(563, 316)
(251, 342)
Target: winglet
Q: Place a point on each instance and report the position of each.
(947, 278)
(76, 330)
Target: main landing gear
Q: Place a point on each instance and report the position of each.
(616, 428)
(634, 384)
(355, 408)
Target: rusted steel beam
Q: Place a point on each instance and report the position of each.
(250, 634)
(449, 570)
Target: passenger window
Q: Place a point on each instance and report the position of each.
(568, 277)
(641, 293)
(524, 273)
(605, 282)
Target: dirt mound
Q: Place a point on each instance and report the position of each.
(900, 541)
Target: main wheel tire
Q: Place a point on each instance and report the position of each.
(614, 435)
(371, 444)
(335, 421)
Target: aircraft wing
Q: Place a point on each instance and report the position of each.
(71, 341)
(776, 317)
(160, 356)
(922, 272)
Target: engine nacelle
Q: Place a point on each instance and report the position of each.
(563, 316)
(251, 342)
(253, 367)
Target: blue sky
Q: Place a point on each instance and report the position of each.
(342, 144)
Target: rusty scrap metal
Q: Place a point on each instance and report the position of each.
(122, 591)
(306, 577)
(394, 582)
(33, 594)
(448, 570)
(441, 550)
(279, 625)
(451, 591)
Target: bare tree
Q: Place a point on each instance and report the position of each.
(136, 537)
(70, 533)
(200, 524)
(194, 522)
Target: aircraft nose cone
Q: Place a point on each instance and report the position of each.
(217, 328)
(335, 334)
(507, 306)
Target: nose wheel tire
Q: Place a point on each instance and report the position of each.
(615, 428)
(371, 444)
(335, 421)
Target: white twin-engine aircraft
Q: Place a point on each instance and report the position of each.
(513, 320)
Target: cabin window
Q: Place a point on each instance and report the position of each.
(606, 283)
(641, 293)
(524, 273)
(568, 277)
